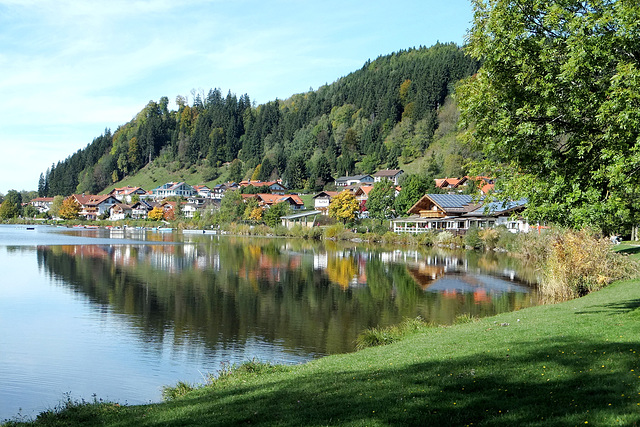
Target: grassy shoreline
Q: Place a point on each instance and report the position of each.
(572, 363)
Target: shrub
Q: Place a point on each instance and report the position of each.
(315, 233)
(444, 238)
(338, 232)
(251, 367)
(332, 231)
(506, 239)
(472, 238)
(380, 229)
(179, 390)
(382, 336)
(428, 238)
(489, 237)
(390, 238)
(578, 262)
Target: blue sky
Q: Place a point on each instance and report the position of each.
(71, 68)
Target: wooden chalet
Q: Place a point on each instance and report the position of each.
(457, 213)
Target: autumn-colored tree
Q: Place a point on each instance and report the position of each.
(170, 214)
(256, 214)
(156, 214)
(344, 207)
(70, 209)
(252, 212)
(256, 173)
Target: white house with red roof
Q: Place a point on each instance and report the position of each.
(125, 194)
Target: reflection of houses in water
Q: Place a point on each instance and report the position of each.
(346, 268)
(320, 261)
(425, 274)
(87, 251)
(483, 287)
(269, 268)
(207, 261)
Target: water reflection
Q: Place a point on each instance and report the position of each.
(310, 298)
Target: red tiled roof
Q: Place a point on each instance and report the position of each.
(91, 199)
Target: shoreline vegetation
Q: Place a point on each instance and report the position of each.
(562, 363)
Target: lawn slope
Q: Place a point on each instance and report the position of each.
(575, 363)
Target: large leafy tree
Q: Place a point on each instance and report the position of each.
(272, 215)
(556, 106)
(11, 206)
(413, 188)
(380, 201)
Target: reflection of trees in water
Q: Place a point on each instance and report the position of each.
(225, 291)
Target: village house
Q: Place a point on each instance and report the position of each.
(92, 206)
(483, 183)
(197, 204)
(322, 200)
(125, 194)
(267, 200)
(139, 210)
(218, 190)
(392, 175)
(43, 204)
(276, 187)
(202, 191)
(362, 193)
(457, 213)
(119, 211)
(346, 181)
(172, 189)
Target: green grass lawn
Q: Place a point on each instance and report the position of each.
(575, 363)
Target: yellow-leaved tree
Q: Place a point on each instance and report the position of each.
(70, 209)
(156, 214)
(344, 207)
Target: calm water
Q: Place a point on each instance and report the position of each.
(118, 315)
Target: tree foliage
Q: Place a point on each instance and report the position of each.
(11, 206)
(344, 207)
(340, 128)
(380, 202)
(413, 188)
(70, 209)
(272, 215)
(556, 106)
(156, 214)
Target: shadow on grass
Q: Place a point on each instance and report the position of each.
(562, 383)
(630, 251)
(613, 308)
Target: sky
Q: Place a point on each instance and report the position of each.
(69, 69)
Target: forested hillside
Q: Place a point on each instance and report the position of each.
(375, 117)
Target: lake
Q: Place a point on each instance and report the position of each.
(118, 314)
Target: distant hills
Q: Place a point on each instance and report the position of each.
(389, 113)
